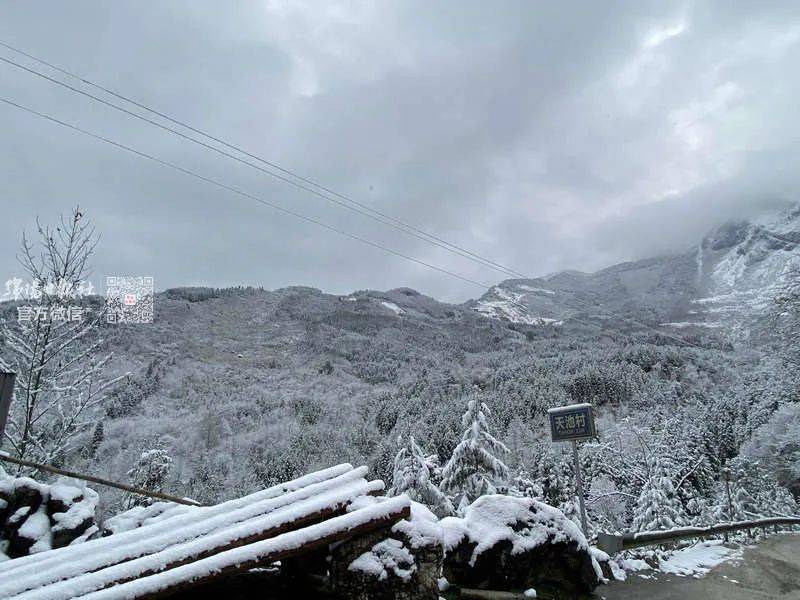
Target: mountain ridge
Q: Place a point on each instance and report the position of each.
(727, 280)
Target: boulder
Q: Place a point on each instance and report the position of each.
(507, 543)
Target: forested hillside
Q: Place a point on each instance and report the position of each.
(231, 390)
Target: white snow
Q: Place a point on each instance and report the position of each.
(81, 502)
(525, 522)
(139, 516)
(388, 557)
(37, 527)
(250, 554)
(699, 559)
(151, 559)
(506, 305)
(392, 307)
(568, 408)
(536, 290)
(29, 573)
(422, 528)
(684, 324)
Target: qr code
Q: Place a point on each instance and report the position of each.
(129, 299)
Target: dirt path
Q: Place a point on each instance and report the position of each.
(767, 571)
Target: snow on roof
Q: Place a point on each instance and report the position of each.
(38, 562)
(525, 522)
(154, 546)
(139, 516)
(280, 546)
(421, 529)
(86, 579)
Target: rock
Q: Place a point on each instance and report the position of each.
(506, 543)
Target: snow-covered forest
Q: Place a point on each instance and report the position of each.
(233, 390)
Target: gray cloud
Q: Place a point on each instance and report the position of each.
(543, 135)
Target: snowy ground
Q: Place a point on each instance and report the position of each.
(694, 561)
(767, 570)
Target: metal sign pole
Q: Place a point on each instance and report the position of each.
(6, 391)
(579, 485)
(570, 424)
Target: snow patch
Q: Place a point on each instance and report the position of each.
(504, 305)
(392, 307)
(389, 557)
(536, 290)
(699, 559)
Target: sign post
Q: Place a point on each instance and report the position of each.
(6, 391)
(571, 424)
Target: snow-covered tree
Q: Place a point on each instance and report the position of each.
(150, 473)
(776, 446)
(54, 346)
(473, 470)
(755, 493)
(657, 506)
(413, 472)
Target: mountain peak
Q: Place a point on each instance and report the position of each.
(727, 280)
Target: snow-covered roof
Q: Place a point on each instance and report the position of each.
(202, 542)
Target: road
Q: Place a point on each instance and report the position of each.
(769, 570)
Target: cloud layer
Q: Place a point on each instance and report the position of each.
(542, 135)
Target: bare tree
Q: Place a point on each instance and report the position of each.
(55, 349)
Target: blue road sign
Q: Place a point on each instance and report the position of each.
(570, 423)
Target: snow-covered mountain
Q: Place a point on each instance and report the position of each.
(245, 387)
(727, 280)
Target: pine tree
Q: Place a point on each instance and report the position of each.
(150, 473)
(98, 435)
(412, 476)
(657, 506)
(473, 470)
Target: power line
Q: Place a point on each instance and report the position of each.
(325, 193)
(311, 219)
(238, 191)
(278, 176)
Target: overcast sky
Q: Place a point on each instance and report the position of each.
(543, 135)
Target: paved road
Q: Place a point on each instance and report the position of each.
(767, 571)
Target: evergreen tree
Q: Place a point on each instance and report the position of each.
(412, 476)
(473, 470)
(98, 435)
(657, 506)
(150, 473)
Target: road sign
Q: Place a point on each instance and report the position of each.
(572, 423)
